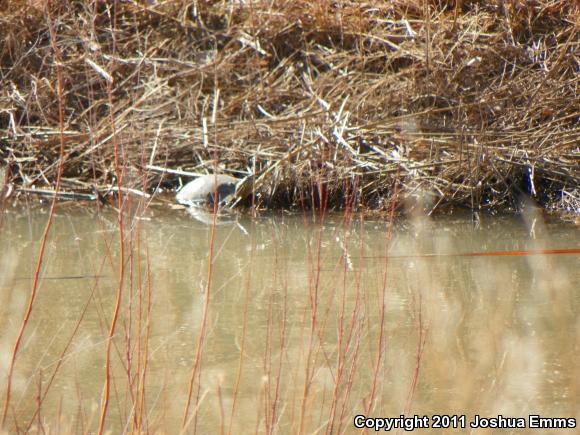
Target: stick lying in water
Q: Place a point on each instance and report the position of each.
(65, 277)
(492, 254)
(77, 196)
(519, 253)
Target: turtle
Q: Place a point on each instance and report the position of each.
(202, 190)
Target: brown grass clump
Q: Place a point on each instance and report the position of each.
(468, 103)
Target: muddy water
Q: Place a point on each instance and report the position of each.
(307, 323)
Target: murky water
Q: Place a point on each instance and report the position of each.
(307, 324)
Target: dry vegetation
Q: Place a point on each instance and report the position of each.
(328, 103)
(469, 103)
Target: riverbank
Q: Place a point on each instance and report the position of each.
(340, 104)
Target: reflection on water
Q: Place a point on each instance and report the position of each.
(308, 324)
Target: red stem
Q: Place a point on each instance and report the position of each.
(36, 280)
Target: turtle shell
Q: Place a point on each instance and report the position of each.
(202, 190)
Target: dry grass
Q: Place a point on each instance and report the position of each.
(470, 103)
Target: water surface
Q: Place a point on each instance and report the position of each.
(308, 323)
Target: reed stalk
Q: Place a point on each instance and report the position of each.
(46, 233)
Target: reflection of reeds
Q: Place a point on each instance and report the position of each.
(303, 328)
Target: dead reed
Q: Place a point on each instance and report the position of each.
(472, 102)
(45, 237)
